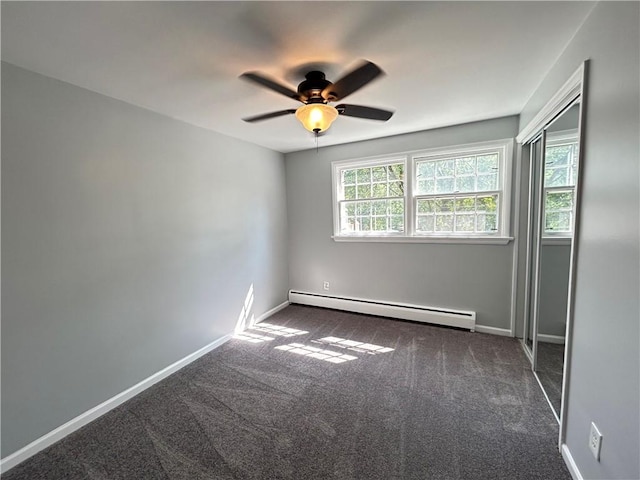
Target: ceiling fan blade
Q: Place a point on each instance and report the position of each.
(271, 84)
(351, 82)
(267, 116)
(364, 112)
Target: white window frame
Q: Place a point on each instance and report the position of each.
(503, 147)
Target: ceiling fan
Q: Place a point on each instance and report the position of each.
(316, 92)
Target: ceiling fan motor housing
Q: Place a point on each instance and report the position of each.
(312, 87)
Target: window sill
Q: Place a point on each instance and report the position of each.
(424, 239)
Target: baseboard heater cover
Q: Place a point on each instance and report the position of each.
(417, 313)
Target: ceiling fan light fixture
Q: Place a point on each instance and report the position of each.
(316, 117)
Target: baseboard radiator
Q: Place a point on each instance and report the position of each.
(417, 313)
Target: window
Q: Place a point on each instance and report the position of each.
(458, 193)
(560, 171)
(372, 199)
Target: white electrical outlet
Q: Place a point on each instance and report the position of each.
(325, 285)
(595, 441)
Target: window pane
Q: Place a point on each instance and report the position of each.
(558, 222)
(364, 191)
(397, 223)
(444, 205)
(348, 177)
(465, 223)
(380, 224)
(426, 186)
(350, 193)
(444, 223)
(487, 163)
(465, 184)
(465, 166)
(445, 168)
(467, 204)
(379, 207)
(426, 169)
(396, 189)
(444, 185)
(396, 207)
(363, 208)
(425, 223)
(426, 206)
(487, 182)
(348, 224)
(364, 223)
(488, 203)
(379, 190)
(556, 177)
(558, 155)
(559, 200)
(487, 223)
(364, 175)
(349, 209)
(379, 173)
(396, 171)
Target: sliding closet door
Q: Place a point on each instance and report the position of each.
(536, 159)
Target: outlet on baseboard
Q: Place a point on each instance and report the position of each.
(325, 285)
(595, 441)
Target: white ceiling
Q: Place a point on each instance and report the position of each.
(446, 62)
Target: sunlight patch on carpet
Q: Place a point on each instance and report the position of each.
(277, 330)
(360, 347)
(252, 337)
(313, 352)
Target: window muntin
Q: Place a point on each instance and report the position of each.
(371, 199)
(560, 172)
(450, 193)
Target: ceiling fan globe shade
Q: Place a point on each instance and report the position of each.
(316, 117)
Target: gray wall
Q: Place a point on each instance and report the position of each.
(604, 374)
(472, 277)
(129, 240)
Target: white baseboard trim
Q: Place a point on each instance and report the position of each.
(558, 339)
(83, 419)
(273, 311)
(383, 308)
(571, 464)
(503, 332)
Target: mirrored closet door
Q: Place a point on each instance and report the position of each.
(553, 157)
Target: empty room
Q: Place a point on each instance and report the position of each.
(320, 240)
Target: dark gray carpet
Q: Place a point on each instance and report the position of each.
(549, 369)
(443, 404)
